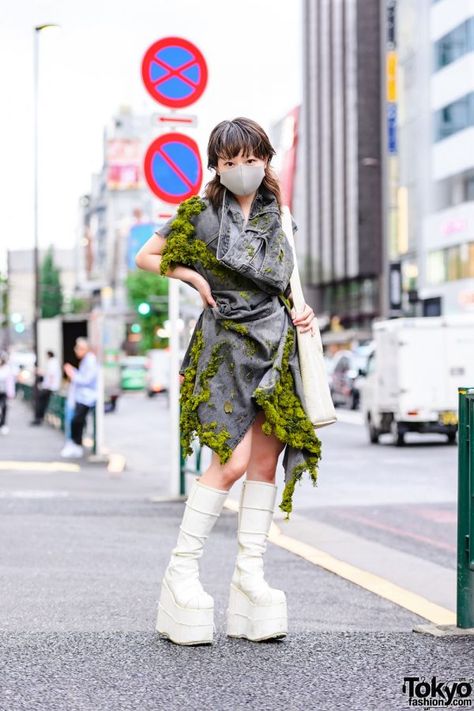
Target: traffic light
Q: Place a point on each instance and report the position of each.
(144, 308)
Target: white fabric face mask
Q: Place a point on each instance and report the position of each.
(243, 179)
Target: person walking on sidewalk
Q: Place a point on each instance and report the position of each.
(50, 384)
(7, 391)
(84, 379)
(241, 388)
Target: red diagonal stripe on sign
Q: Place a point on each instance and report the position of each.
(172, 72)
(176, 168)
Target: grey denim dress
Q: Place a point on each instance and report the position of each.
(242, 356)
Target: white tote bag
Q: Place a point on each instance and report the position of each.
(319, 405)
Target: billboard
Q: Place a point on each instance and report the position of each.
(137, 237)
(123, 159)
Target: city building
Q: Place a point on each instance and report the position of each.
(431, 237)
(338, 184)
(21, 285)
(118, 200)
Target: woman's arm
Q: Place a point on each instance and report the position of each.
(148, 258)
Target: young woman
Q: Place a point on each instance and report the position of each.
(241, 390)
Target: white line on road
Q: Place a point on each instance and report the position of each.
(39, 466)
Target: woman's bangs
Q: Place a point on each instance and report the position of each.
(234, 139)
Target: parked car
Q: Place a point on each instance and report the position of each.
(133, 373)
(344, 373)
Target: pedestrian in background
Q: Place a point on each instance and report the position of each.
(50, 384)
(69, 406)
(7, 391)
(242, 389)
(84, 380)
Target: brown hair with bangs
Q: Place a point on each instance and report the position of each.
(227, 140)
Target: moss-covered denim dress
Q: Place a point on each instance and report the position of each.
(242, 356)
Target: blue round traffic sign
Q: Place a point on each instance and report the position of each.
(174, 72)
(173, 167)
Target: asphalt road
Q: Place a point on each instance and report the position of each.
(83, 553)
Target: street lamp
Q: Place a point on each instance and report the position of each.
(36, 300)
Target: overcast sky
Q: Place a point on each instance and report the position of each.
(92, 66)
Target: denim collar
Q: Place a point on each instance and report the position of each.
(263, 202)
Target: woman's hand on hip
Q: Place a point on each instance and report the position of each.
(304, 320)
(205, 291)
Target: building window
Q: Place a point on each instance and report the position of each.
(450, 264)
(453, 255)
(470, 260)
(436, 267)
(454, 117)
(454, 45)
(454, 190)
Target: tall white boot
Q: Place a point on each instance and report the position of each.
(256, 611)
(185, 610)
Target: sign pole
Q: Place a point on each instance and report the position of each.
(173, 315)
(174, 73)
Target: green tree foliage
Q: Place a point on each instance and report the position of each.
(51, 295)
(146, 287)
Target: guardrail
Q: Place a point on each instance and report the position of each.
(186, 466)
(465, 572)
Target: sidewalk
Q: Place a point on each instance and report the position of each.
(84, 555)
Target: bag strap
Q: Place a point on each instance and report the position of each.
(295, 281)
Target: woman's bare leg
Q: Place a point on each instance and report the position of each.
(264, 453)
(222, 476)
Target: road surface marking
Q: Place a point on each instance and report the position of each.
(33, 494)
(369, 581)
(116, 463)
(39, 466)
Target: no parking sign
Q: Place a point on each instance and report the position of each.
(173, 168)
(174, 73)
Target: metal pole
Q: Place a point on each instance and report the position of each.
(385, 251)
(36, 32)
(176, 485)
(36, 300)
(465, 576)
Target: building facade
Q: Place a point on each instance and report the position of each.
(448, 231)
(117, 201)
(434, 234)
(338, 201)
(21, 286)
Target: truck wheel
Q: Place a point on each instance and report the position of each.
(399, 439)
(398, 435)
(373, 432)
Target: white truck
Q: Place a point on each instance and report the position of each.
(411, 380)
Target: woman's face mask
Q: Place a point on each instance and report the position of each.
(242, 179)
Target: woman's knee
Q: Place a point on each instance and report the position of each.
(262, 467)
(233, 470)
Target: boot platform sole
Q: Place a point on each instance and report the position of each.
(255, 622)
(183, 625)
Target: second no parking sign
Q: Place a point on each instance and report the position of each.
(173, 168)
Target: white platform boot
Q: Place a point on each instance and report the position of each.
(256, 611)
(185, 610)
